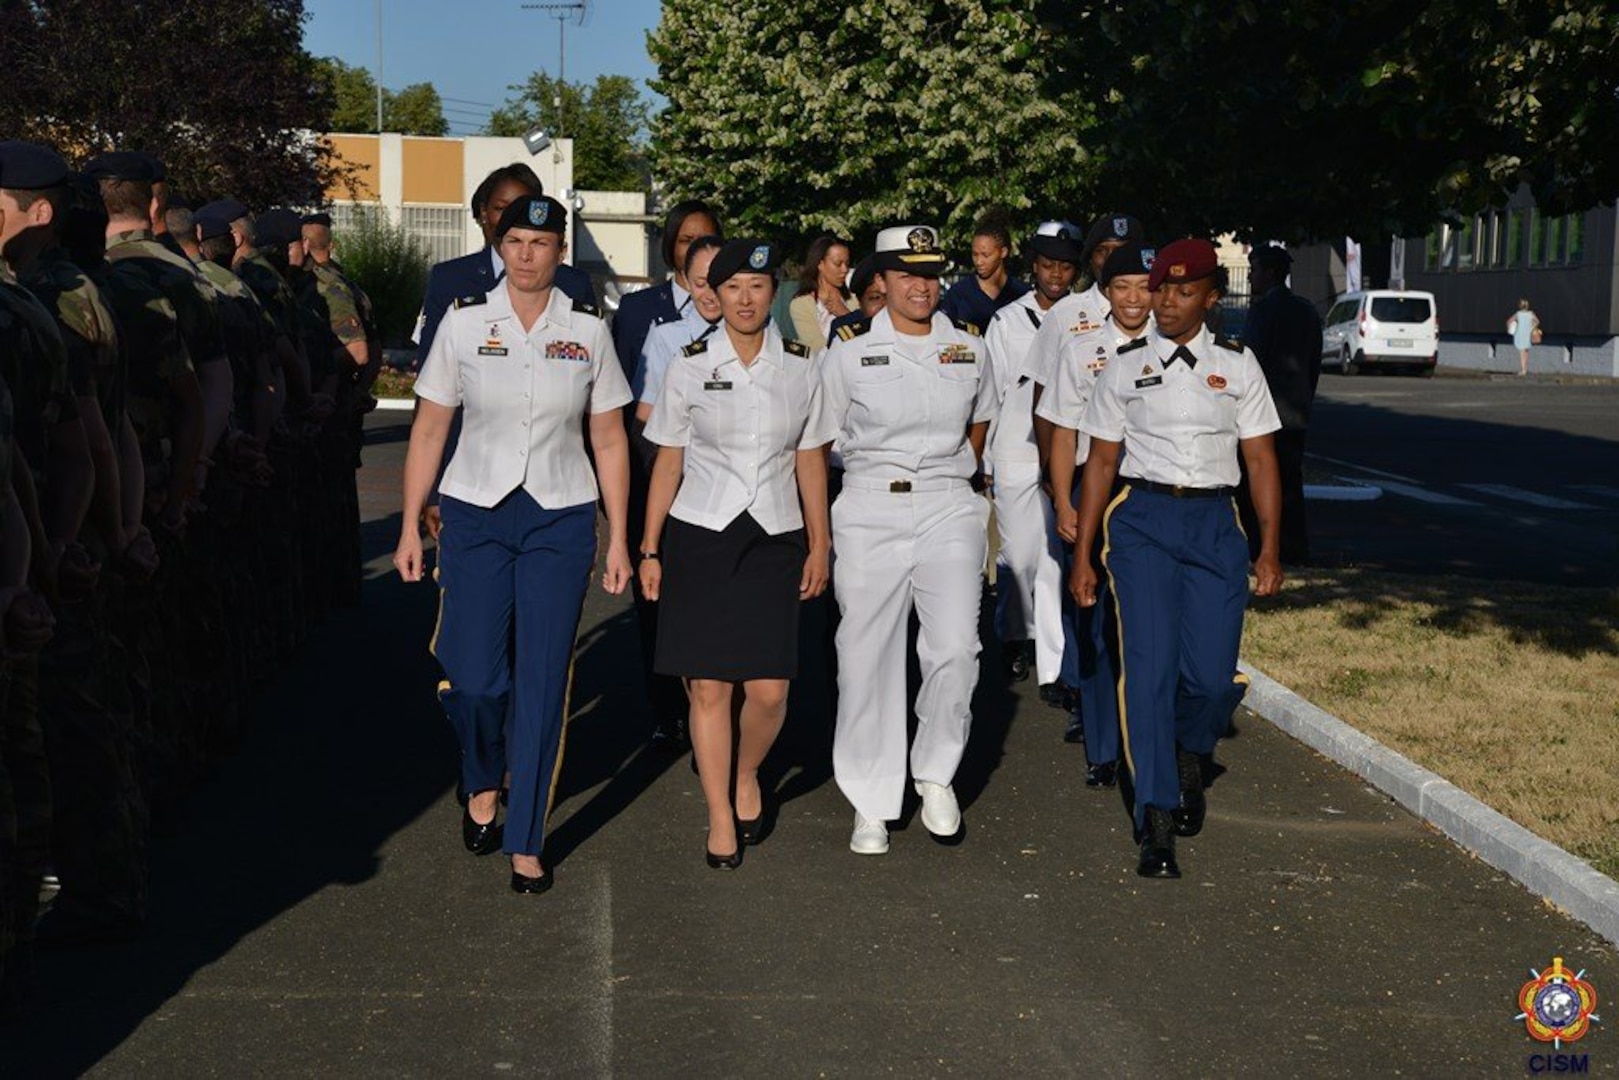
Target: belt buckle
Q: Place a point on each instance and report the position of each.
(1179, 491)
(899, 486)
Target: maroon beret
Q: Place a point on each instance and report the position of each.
(1183, 261)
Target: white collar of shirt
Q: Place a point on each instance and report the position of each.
(680, 296)
(494, 259)
(882, 330)
(722, 354)
(558, 310)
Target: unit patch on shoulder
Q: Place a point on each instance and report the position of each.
(796, 348)
(696, 348)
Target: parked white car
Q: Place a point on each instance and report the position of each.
(1382, 328)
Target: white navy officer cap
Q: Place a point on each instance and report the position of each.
(913, 249)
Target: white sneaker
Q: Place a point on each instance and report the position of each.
(870, 837)
(940, 812)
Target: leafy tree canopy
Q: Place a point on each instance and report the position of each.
(414, 110)
(222, 90)
(795, 118)
(606, 120)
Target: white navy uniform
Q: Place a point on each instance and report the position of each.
(908, 531)
(1076, 313)
(1030, 603)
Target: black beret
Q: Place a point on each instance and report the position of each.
(320, 217)
(743, 257)
(533, 212)
(1132, 258)
(26, 166)
(229, 209)
(1057, 240)
(278, 227)
(1120, 227)
(122, 165)
(865, 272)
(160, 174)
(210, 226)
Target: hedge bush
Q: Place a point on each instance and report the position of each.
(391, 265)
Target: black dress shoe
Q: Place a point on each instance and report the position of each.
(1058, 696)
(530, 886)
(480, 839)
(1016, 657)
(1188, 816)
(1104, 775)
(1075, 731)
(724, 862)
(1158, 846)
(671, 732)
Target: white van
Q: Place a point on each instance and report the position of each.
(1382, 328)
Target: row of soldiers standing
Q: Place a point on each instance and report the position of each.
(180, 421)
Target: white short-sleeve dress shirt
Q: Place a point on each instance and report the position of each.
(1076, 313)
(1180, 423)
(901, 406)
(740, 427)
(1010, 333)
(663, 343)
(523, 396)
(1081, 359)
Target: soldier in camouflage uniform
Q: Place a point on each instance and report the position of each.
(337, 340)
(98, 842)
(53, 479)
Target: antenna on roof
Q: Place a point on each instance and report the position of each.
(564, 12)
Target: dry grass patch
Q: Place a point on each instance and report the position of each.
(1510, 691)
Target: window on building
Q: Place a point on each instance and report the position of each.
(1466, 239)
(1512, 250)
(1574, 239)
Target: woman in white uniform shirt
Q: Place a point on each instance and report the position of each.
(664, 341)
(525, 364)
(739, 481)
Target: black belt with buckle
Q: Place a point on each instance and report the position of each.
(1179, 491)
(899, 486)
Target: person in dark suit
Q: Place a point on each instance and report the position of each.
(638, 313)
(1284, 333)
(477, 273)
(641, 310)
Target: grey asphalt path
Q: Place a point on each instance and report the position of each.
(315, 915)
(1536, 438)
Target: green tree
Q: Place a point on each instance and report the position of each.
(606, 120)
(414, 110)
(1318, 118)
(223, 91)
(795, 118)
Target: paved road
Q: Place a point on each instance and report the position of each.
(315, 915)
(1501, 478)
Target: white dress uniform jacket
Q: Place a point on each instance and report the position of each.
(1180, 424)
(741, 428)
(524, 396)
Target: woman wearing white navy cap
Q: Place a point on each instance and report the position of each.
(526, 365)
(910, 406)
(736, 534)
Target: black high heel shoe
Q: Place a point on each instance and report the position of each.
(724, 862)
(530, 886)
(480, 839)
(752, 831)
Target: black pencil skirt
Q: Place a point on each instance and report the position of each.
(729, 604)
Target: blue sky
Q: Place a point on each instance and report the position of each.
(472, 50)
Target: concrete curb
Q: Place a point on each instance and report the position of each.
(1537, 864)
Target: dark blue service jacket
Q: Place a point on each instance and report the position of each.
(638, 312)
(967, 302)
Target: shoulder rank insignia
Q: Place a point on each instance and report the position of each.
(1229, 343)
(850, 331)
(588, 309)
(696, 348)
(967, 328)
(797, 348)
(1132, 345)
(470, 301)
